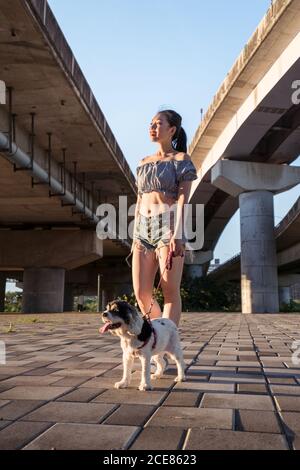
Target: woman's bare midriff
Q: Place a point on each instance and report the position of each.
(155, 203)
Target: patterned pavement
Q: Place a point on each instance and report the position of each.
(242, 389)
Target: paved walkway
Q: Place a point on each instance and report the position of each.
(242, 389)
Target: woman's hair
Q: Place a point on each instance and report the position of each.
(179, 142)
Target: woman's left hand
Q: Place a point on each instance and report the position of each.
(177, 246)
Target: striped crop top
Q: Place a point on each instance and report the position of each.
(164, 176)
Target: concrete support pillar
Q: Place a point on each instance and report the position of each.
(295, 292)
(194, 270)
(2, 291)
(285, 295)
(194, 262)
(104, 299)
(259, 281)
(69, 298)
(287, 284)
(255, 184)
(108, 294)
(43, 290)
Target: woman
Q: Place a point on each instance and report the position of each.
(164, 183)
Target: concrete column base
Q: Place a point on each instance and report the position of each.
(259, 280)
(255, 184)
(109, 293)
(2, 291)
(193, 270)
(43, 290)
(285, 295)
(69, 298)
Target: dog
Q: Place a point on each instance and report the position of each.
(145, 340)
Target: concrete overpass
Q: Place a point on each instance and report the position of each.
(252, 129)
(53, 126)
(59, 160)
(288, 258)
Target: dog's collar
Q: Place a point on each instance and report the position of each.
(146, 333)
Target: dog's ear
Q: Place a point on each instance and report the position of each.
(135, 322)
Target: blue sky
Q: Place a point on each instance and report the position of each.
(140, 55)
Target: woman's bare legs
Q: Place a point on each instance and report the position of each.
(171, 284)
(144, 268)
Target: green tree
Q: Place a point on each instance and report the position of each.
(13, 302)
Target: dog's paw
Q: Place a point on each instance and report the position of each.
(180, 379)
(121, 384)
(145, 387)
(156, 376)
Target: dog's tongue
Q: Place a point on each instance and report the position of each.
(104, 328)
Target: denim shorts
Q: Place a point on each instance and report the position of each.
(154, 232)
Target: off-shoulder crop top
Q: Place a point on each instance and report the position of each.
(164, 176)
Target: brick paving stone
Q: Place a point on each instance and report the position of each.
(83, 395)
(237, 401)
(237, 378)
(11, 371)
(29, 380)
(237, 363)
(282, 381)
(84, 436)
(130, 396)
(291, 422)
(115, 373)
(205, 370)
(234, 440)
(18, 408)
(204, 386)
(101, 382)
(281, 372)
(296, 441)
(41, 372)
(66, 412)
(194, 373)
(285, 390)
(182, 398)
(88, 373)
(252, 388)
(3, 403)
(206, 362)
(34, 393)
(249, 370)
(251, 421)
(110, 360)
(3, 377)
(84, 367)
(130, 415)
(4, 424)
(158, 439)
(186, 417)
(288, 403)
(19, 434)
(69, 381)
(4, 387)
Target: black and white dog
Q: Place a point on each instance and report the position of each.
(143, 339)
